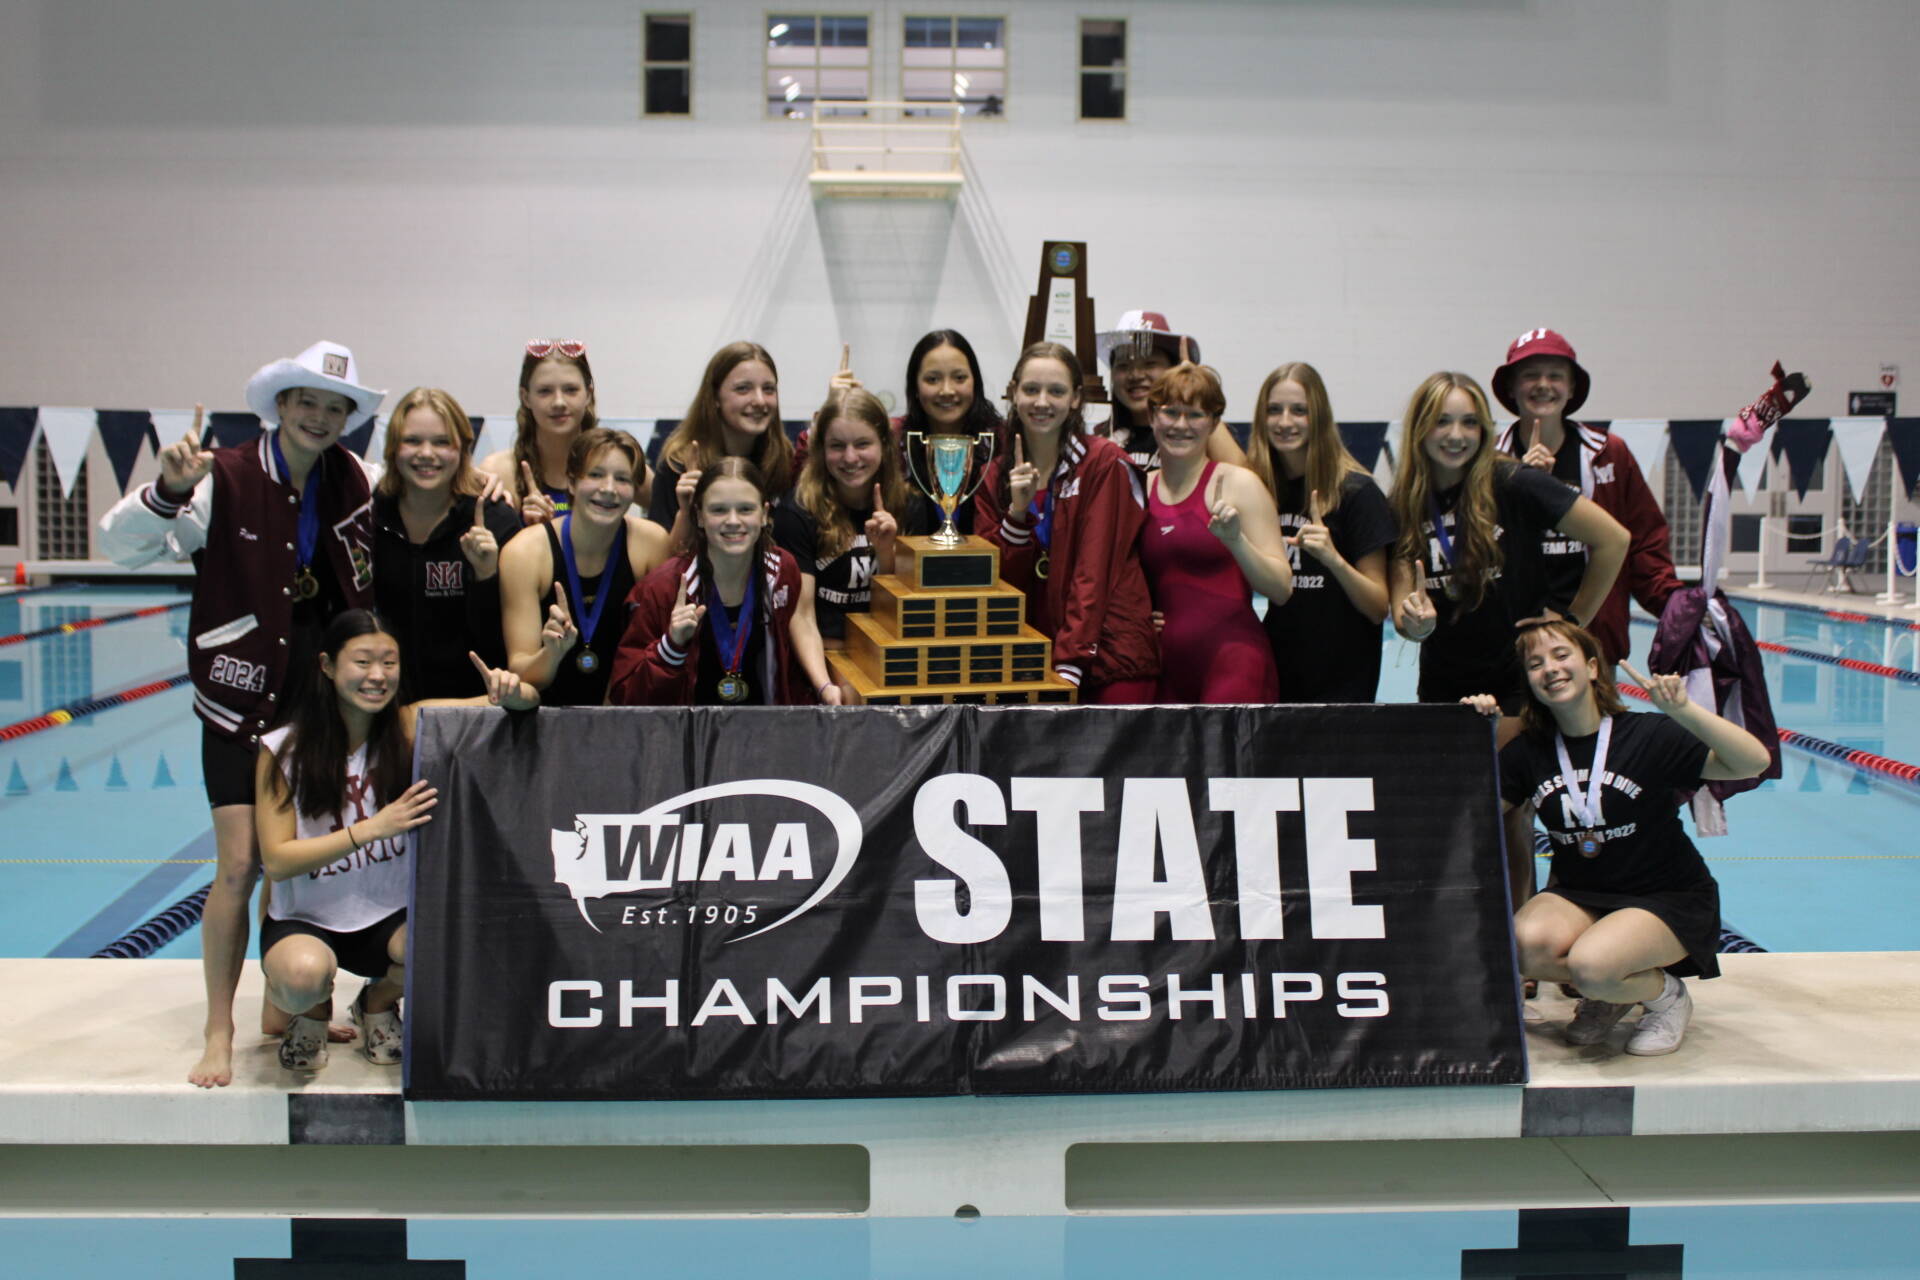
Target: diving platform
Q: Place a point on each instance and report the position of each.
(1799, 1082)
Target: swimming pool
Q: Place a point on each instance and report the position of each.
(106, 826)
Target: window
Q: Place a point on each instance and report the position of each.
(666, 64)
(823, 57)
(63, 527)
(960, 60)
(1103, 69)
(1804, 536)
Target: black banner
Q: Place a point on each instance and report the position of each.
(703, 903)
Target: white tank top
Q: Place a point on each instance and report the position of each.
(360, 889)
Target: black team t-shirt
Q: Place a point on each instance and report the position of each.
(1565, 558)
(1471, 650)
(1326, 649)
(1643, 848)
(842, 583)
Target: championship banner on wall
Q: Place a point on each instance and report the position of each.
(635, 903)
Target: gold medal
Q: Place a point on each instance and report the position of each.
(1588, 842)
(1041, 566)
(305, 585)
(586, 661)
(733, 687)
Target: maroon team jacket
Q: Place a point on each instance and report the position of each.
(651, 671)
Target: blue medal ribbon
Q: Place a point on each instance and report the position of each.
(589, 618)
(1440, 531)
(307, 540)
(1043, 519)
(729, 636)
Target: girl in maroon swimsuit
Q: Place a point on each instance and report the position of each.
(1212, 538)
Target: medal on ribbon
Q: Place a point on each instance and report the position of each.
(1586, 808)
(1440, 535)
(1043, 534)
(586, 661)
(307, 537)
(730, 634)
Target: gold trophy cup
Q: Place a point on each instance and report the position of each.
(949, 460)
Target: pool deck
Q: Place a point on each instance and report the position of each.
(1799, 1081)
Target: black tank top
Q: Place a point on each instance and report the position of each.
(573, 687)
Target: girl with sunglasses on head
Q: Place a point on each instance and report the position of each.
(1137, 350)
(333, 803)
(729, 622)
(562, 582)
(556, 405)
(851, 503)
(734, 414)
(1211, 539)
(1066, 509)
(1631, 908)
(1467, 568)
(1326, 636)
(438, 535)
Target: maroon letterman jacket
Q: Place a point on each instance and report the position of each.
(239, 526)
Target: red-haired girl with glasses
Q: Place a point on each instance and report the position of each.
(734, 414)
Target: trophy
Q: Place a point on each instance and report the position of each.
(949, 459)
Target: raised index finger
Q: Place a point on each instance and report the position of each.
(879, 500)
(1635, 676)
(480, 511)
(193, 432)
(1019, 451)
(560, 602)
(1314, 506)
(1535, 442)
(526, 477)
(846, 355)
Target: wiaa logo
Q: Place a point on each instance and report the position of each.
(624, 853)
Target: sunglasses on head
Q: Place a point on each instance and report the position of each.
(554, 347)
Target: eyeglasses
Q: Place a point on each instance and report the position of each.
(555, 347)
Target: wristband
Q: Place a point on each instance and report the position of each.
(352, 839)
(821, 689)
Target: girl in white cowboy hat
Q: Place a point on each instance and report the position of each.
(281, 530)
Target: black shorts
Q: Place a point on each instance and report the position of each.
(227, 764)
(364, 951)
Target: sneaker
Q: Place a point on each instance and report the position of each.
(1661, 1030)
(303, 1046)
(1592, 1019)
(380, 1035)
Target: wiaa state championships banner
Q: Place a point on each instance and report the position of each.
(719, 903)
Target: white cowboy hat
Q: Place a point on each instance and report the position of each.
(325, 365)
(1140, 331)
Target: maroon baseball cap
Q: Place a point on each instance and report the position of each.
(1539, 342)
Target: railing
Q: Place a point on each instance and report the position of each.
(887, 148)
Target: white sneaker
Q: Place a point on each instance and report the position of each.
(1592, 1019)
(1661, 1030)
(380, 1033)
(304, 1045)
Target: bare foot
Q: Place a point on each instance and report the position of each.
(215, 1068)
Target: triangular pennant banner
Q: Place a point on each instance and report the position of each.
(492, 432)
(67, 432)
(1858, 440)
(226, 429)
(1694, 440)
(1752, 465)
(1646, 440)
(16, 434)
(1903, 432)
(1383, 466)
(360, 438)
(121, 433)
(662, 428)
(1805, 444)
(1364, 441)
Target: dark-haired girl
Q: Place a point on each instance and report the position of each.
(332, 806)
(850, 504)
(1338, 527)
(562, 582)
(734, 414)
(437, 546)
(1138, 349)
(1467, 568)
(729, 623)
(1631, 907)
(1066, 509)
(556, 405)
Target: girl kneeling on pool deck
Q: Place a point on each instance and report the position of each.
(1631, 907)
(332, 807)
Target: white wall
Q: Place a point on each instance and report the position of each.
(1688, 188)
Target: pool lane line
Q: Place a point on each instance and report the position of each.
(1838, 615)
(88, 706)
(1865, 761)
(129, 908)
(14, 593)
(1833, 660)
(88, 624)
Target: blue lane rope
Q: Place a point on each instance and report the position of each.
(144, 940)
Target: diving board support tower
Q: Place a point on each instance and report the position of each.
(898, 150)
